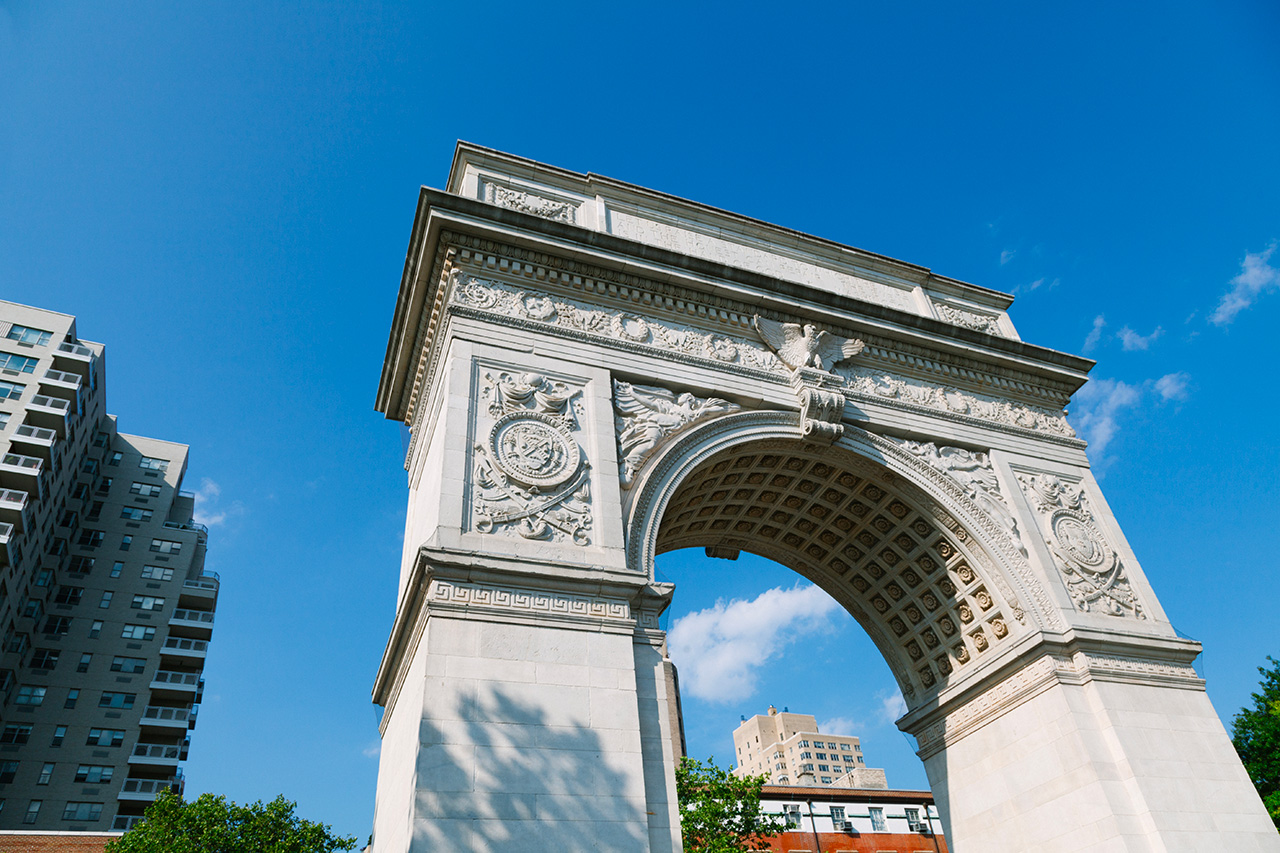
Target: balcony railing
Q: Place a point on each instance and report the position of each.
(159, 751)
(57, 377)
(125, 822)
(176, 679)
(13, 499)
(167, 716)
(139, 789)
(205, 616)
(62, 407)
(209, 581)
(6, 532)
(182, 644)
(23, 464)
(75, 349)
(36, 435)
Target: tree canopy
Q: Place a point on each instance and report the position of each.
(720, 812)
(1256, 734)
(212, 824)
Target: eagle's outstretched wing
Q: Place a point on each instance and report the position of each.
(833, 349)
(786, 339)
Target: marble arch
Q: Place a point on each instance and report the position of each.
(592, 372)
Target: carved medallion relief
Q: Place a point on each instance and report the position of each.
(530, 477)
(1093, 571)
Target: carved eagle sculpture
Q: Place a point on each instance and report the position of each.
(804, 346)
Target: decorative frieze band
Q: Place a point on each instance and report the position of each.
(525, 601)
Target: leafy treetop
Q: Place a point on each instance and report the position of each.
(212, 824)
(720, 812)
(1256, 734)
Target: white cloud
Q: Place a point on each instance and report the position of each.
(373, 750)
(1131, 340)
(1172, 386)
(840, 726)
(207, 511)
(1256, 277)
(1096, 408)
(1006, 256)
(1095, 334)
(721, 649)
(892, 705)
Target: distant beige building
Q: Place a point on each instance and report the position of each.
(788, 749)
(105, 608)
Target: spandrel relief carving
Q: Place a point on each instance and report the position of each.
(646, 416)
(530, 476)
(1092, 569)
(976, 476)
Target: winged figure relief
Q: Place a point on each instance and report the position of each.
(804, 346)
(647, 416)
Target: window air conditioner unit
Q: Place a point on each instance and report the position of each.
(847, 826)
(922, 828)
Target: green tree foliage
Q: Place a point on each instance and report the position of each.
(1256, 734)
(720, 812)
(211, 824)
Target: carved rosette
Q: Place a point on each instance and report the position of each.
(530, 477)
(1093, 571)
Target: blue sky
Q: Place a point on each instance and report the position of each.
(222, 193)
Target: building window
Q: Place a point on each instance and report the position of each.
(82, 811)
(105, 737)
(106, 599)
(30, 694)
(46, 773)
(877, 819)
(117, 700)
(791, 812)
(147, 602)
(90, 538)
(44, 578)
(135, 513)
(33, 812)
(57, 625)
(28, 335)
(826, 780)
(138, 632)
(824, 768)
(837, 815)
(18, 363)
(831, 746)
(72, 697)
(846, 746)
(8, 769)
(33, 609)
(122, 664)
(69, 595)
(105, 485)
(94, 774)
(59, 733)
(913, 816)
(821, 756)
(126, 542)
(146, 490)
(45, 659)
(157, 573)
(153, 464)
(117, 569)
(85, 660)
(95, 511)
(81, 564)
(806, 755)
(11, 390)
(16, 733)
(115, 457)
(95, 629)
(69, 519)
(99, 439)
(166, 546)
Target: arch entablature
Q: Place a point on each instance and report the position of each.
(928, 573)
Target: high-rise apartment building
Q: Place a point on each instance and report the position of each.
(105, 608)
(788, 749)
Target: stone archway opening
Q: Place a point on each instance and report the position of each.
(864, 535)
